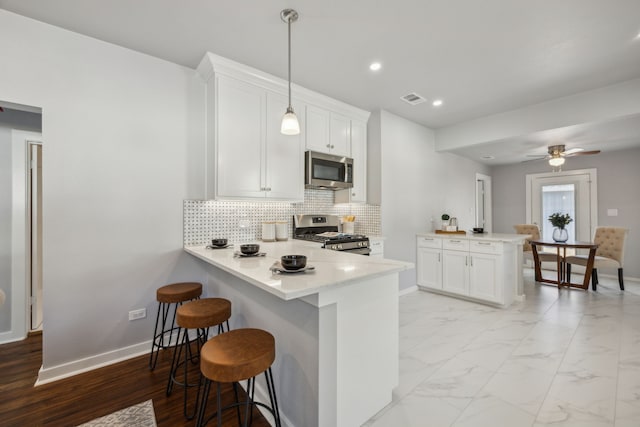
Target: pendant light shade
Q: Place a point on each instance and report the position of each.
(290, 124)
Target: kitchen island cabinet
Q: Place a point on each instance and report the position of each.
(336, 328)
(484, 267)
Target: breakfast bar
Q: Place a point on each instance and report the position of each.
(335, 326)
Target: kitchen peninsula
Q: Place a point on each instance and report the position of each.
(336, 327)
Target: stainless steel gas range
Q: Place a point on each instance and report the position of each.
(324, 229)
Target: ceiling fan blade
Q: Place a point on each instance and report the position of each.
(572, 151)
(583, 153)
(534, 160)
(540, 156)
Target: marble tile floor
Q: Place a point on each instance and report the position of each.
(566, 358)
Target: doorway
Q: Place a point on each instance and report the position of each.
(570, 192)
(20, 142)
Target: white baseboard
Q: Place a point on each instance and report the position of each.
(79, 366)
(409, 290)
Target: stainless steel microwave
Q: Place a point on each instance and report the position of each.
(327, 171)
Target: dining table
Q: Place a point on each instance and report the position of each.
(561, 250)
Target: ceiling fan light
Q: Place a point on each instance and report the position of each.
(556, 161)
(290, 124)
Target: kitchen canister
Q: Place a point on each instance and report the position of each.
(268, 231)
(282, 230)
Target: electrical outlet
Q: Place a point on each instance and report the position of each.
(138, 314)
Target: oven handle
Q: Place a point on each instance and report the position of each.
(359, 251)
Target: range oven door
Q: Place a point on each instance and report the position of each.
(359, 251)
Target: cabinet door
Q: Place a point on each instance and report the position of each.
(340, 135)
(359, 154)
(485, 277)
(455, 272)
(240, 139)
(317, 129)
(284, 157)
(429, 268)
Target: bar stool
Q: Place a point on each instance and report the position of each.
(168, 296)
(199, 315)
(238, 355)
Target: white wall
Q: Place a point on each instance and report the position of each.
(123, 134)
(416, 184)
(618, 179)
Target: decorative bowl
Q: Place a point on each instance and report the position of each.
(249, 248)
(293, 262)
(219, 242)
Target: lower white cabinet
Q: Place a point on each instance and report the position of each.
(478, 270)
(429, 262)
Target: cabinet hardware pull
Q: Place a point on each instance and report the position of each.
(466, 261)
(353, 194)
(455, 241)
(332, 146)
(328, 145)
(438, 257)
(484, 243)
(471, 258)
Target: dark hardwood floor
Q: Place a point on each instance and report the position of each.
(83, 397)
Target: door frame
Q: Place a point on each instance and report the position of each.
(20, 236)
(593, 192)
(488, 214)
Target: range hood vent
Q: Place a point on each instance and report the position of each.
(413, 98)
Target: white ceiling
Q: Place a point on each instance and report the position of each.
(480, 57)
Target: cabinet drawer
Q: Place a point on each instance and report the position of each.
(486, 247)
(456, 244)
(429, 242)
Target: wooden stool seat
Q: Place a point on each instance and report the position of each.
(179, 292)
(203, 313)
(241, 354)
(169, 298)
(237, 355)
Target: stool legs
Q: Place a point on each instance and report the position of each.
(189, 356)
(159, 335)
(248, 413)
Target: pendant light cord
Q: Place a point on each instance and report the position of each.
(289, 31)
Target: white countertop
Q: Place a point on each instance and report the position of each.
(332, 268)
(493, 237)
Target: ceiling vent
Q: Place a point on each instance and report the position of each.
(413, 98)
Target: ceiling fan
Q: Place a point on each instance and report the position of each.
(557, 153)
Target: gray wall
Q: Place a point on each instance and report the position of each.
(9, 119)
(414, 184)
(618, 187)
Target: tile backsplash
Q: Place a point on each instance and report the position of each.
(241, 221)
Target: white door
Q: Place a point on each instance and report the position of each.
(485, 279)
(284, 157)
(572, 192)
(240, 145)
(455, 272)
(429, 268)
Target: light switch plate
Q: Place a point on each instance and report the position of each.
(612, 212)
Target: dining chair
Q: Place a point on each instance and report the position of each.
(610, 254)
(534, 232)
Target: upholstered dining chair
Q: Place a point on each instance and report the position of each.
(534, 232)
(610, 254)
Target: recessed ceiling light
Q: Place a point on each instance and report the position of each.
(437, 103)
(375, 66)
(487, 157)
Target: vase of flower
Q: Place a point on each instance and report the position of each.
(559, 222)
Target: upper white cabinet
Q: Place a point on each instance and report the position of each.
(328, 132)
(246, 156)
(254, 160)
(357, 194)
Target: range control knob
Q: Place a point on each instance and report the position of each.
(339, 247)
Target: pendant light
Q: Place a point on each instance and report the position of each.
(290, 125)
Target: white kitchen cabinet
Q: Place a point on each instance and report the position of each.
(253, 159)
(357, 194)
(328, 132)
(476, 269)
(246, 156)
(376, 245)
(429, 263)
